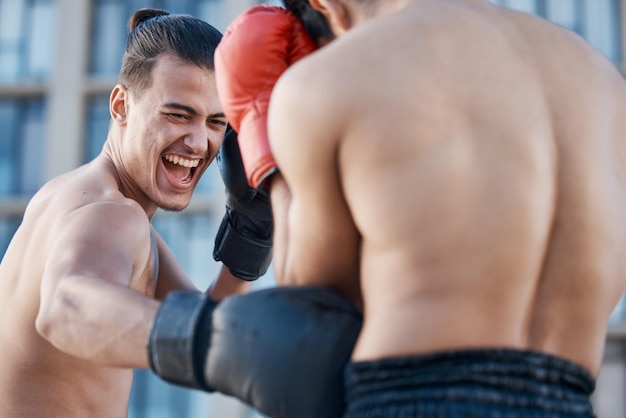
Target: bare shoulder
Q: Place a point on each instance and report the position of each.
(310, 79)
(86, 207)
(102, 238)
(108, 218)
(317, 93)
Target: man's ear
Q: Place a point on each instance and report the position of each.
(118, 104)
(336, 14)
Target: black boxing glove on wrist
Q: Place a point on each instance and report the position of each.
(180, 337)
(245, 236)
(282, 350)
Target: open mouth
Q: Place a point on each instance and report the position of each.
(180, 168)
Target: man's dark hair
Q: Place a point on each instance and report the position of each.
(153, 32)
(314, 22)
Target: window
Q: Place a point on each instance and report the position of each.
(98, 120)
(191, 239)
(110, 19)
(8, 226)
(26, 39)
(595, 20)
(153, 397)
(21, 146)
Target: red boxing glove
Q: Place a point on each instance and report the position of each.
(258, 46)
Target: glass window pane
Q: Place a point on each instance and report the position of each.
(108, 37)
(21, 146)
(191, 239)
(8, 147)
(601, 27)
(566, 13)
(26, 38)
(528, 6)
(211, 181)
(98, 120)
(40, 51)
(31, 143)
(211, 11)
(152, 397)
(11, 17)
(110, 19)
(177, 6)
(8, 226)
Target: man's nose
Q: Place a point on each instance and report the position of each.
(198, 139)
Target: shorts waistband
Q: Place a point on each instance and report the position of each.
(511, 378)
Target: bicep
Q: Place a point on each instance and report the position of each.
(100, 241)
(88, 307)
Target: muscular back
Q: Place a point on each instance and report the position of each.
(479, 154)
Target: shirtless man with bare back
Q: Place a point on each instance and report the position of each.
(458, 171)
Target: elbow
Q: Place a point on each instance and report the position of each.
(44, 325)
(54, 316)
(47, 325)
(49, 328)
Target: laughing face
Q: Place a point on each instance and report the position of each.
(172, 131)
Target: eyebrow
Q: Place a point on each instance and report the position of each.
(191, 110)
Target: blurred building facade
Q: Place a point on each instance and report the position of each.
(58, 62)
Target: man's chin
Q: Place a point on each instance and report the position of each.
(174, 206)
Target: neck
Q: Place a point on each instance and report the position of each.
(375, 9)
(125, 184)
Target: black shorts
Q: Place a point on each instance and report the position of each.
(469, 383)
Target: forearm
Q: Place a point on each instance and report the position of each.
(227, 284)
(99, 321)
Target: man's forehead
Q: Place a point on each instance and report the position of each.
(180, 70)
(183, 86)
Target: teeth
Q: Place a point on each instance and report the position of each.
(174, 159)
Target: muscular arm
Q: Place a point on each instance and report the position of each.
(316, 240)
(88, 307)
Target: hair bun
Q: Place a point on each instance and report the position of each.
(143, 15)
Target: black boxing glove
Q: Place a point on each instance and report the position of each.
(179, 338)
(282, 350)
(244, 239)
